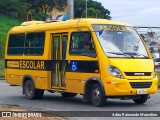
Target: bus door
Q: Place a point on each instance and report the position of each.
(59, 46)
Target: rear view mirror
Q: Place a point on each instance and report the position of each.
(135, 48)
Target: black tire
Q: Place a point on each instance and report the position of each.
(68, 94)
(32, 93)
(96, 95)
(141, 100)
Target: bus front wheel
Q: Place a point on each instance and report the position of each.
(141, 100)
(96, 95)
(32, 93)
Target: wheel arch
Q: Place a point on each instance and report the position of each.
(90, 81)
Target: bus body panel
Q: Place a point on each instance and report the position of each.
(76, 82)
(15, 77)
(122, 87)
(136, 66)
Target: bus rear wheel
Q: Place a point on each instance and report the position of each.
(141, 100)
(96, 95)
(32, 93)
(68, 94)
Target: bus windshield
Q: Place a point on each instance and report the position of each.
(120, 41)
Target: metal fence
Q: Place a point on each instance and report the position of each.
(150, 34)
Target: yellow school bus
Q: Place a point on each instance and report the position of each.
(96, 58)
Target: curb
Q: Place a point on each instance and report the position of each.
(1, 78)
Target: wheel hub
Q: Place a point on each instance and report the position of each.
(29, 89)
(96, 94)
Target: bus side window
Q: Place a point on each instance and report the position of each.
(82, 44)
(34, 43)
(16, 44)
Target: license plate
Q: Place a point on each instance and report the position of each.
(141, 91)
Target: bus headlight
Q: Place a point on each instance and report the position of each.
(114, 72)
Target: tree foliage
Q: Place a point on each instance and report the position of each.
(14, 8)
(41, 8)
(94, 9)
(61, 4)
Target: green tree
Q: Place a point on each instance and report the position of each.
(14, 8)
(61, 4)
(94, 9)
(41, 8)
(79, 8)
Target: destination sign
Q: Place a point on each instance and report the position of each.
(111, 28)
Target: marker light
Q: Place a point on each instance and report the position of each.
(114, 72)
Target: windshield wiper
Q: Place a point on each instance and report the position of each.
(119, 53)
(142, 55)
(136, 54)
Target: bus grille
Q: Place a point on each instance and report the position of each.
(138, 73)
(140, 84)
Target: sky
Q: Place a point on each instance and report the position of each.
(134, 12)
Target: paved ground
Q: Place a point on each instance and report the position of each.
(36, 118)
(11, 97)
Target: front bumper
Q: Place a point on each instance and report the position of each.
(124, 87)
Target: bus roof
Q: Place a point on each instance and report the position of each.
(73, 23)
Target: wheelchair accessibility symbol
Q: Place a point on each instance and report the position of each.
(74, 66)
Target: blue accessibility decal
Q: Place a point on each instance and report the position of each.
(74, 66)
